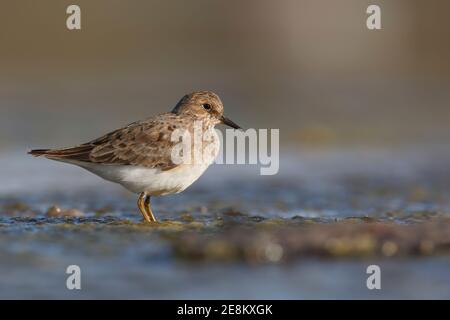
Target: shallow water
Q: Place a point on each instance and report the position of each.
(308, 232)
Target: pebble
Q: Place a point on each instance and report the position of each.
(55, 211)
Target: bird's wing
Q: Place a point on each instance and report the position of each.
(145, 143)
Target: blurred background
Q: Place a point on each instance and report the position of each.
(364, 129)
(310, 68)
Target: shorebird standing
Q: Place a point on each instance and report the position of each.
(139, 156)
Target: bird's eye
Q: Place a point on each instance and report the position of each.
(206, 106)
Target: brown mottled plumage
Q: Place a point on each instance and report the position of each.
(146, 144)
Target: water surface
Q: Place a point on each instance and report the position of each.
(308, 232)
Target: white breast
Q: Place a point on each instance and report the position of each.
(153, 181)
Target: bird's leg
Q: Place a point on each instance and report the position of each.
(144, 206)
(148, 209)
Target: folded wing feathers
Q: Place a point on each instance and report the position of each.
(140, 143)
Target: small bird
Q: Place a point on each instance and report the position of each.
(140, 155)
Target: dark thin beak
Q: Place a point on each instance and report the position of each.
(229, 123)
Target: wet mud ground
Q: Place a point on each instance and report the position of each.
(308, 232)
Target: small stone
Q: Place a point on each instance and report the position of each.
(54, 211)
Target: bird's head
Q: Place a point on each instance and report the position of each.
(203, 105)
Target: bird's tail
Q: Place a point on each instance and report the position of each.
(80, 153)
(39, 152)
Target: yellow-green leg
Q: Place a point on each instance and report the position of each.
(144, 206)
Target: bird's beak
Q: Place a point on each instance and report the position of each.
(229, 123)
